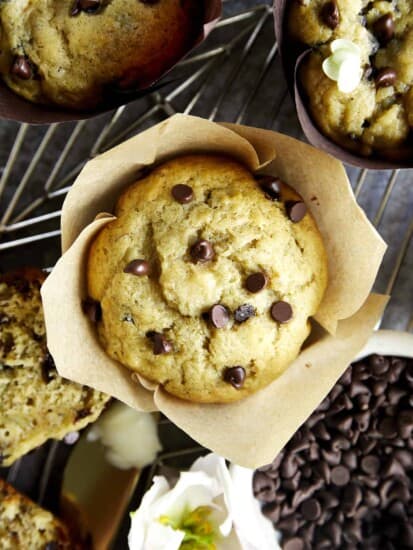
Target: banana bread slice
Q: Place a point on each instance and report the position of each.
(35, 402)
(24, 525)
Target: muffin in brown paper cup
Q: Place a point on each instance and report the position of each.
(16, 107)
(293, 55)
(344, 321)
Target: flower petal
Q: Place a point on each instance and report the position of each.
(162, 537)
(343, 44)
(349, 76)
(192, 490)
(143, 516)
(216, 467)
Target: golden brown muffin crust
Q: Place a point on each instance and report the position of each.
(167, 308)
(71, 60)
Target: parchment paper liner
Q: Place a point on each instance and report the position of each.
(15, 107)
(354, 249)
(292, 57)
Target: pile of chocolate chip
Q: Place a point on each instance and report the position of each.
(345, 479)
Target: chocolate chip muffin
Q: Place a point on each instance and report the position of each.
(79, 53)
(345, 479)
(23, 524)
(36, 404)
(206, 280)
(358, 77)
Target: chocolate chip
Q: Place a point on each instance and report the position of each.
(182, 193)
(48, 368)
(272, 511)
(264, 487)
(392, 468)
(281, 312)
(330, 14)
(388, 428)
(244, 312)
(405, 424)
(138, 267)
(383, 28)
(160, 344)
(378, 364)
(311, 509)
(385, 77)
(53, 545)
(340, 476)
(289, 467)
(88, 6)
(22, 67)
(370, 464)
(271, 185)
(202, 252)
(82, 413)
(256, 282)
(92, 309)
(321, 432)
(235, 376)
(294, 544)
(296, 210)
(219, 316)
(351, 499)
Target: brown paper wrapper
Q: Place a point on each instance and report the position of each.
(345, 318)
(292, 56)
(15, 107)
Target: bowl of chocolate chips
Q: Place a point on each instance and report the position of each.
(345, 479)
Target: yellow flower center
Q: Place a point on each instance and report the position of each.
(199, 531)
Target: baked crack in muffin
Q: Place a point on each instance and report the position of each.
(206, 280)
(35, 402)
(79, 53)
(24, 525)
(365, 104)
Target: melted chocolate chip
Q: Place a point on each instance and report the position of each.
(138, 267)
(385, 77)
(202, 252)
(296, 210)
(281, 312)
(48, 368)
(182, 193)
(235, 376)
(219, 316)
(160, 344)
(244, 312)
(87, 6)
(330, 14)
(22, 68)
(383, 28)
(271, 185)
(256, 282)
(82, 413)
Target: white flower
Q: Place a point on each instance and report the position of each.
(344, 65)
(209, 508)
(130, 436)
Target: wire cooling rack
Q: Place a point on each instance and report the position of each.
(234, 76)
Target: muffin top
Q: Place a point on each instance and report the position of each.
(375, 114)
(207, 278)
(77, 54)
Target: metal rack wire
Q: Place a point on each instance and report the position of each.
(234, 76)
